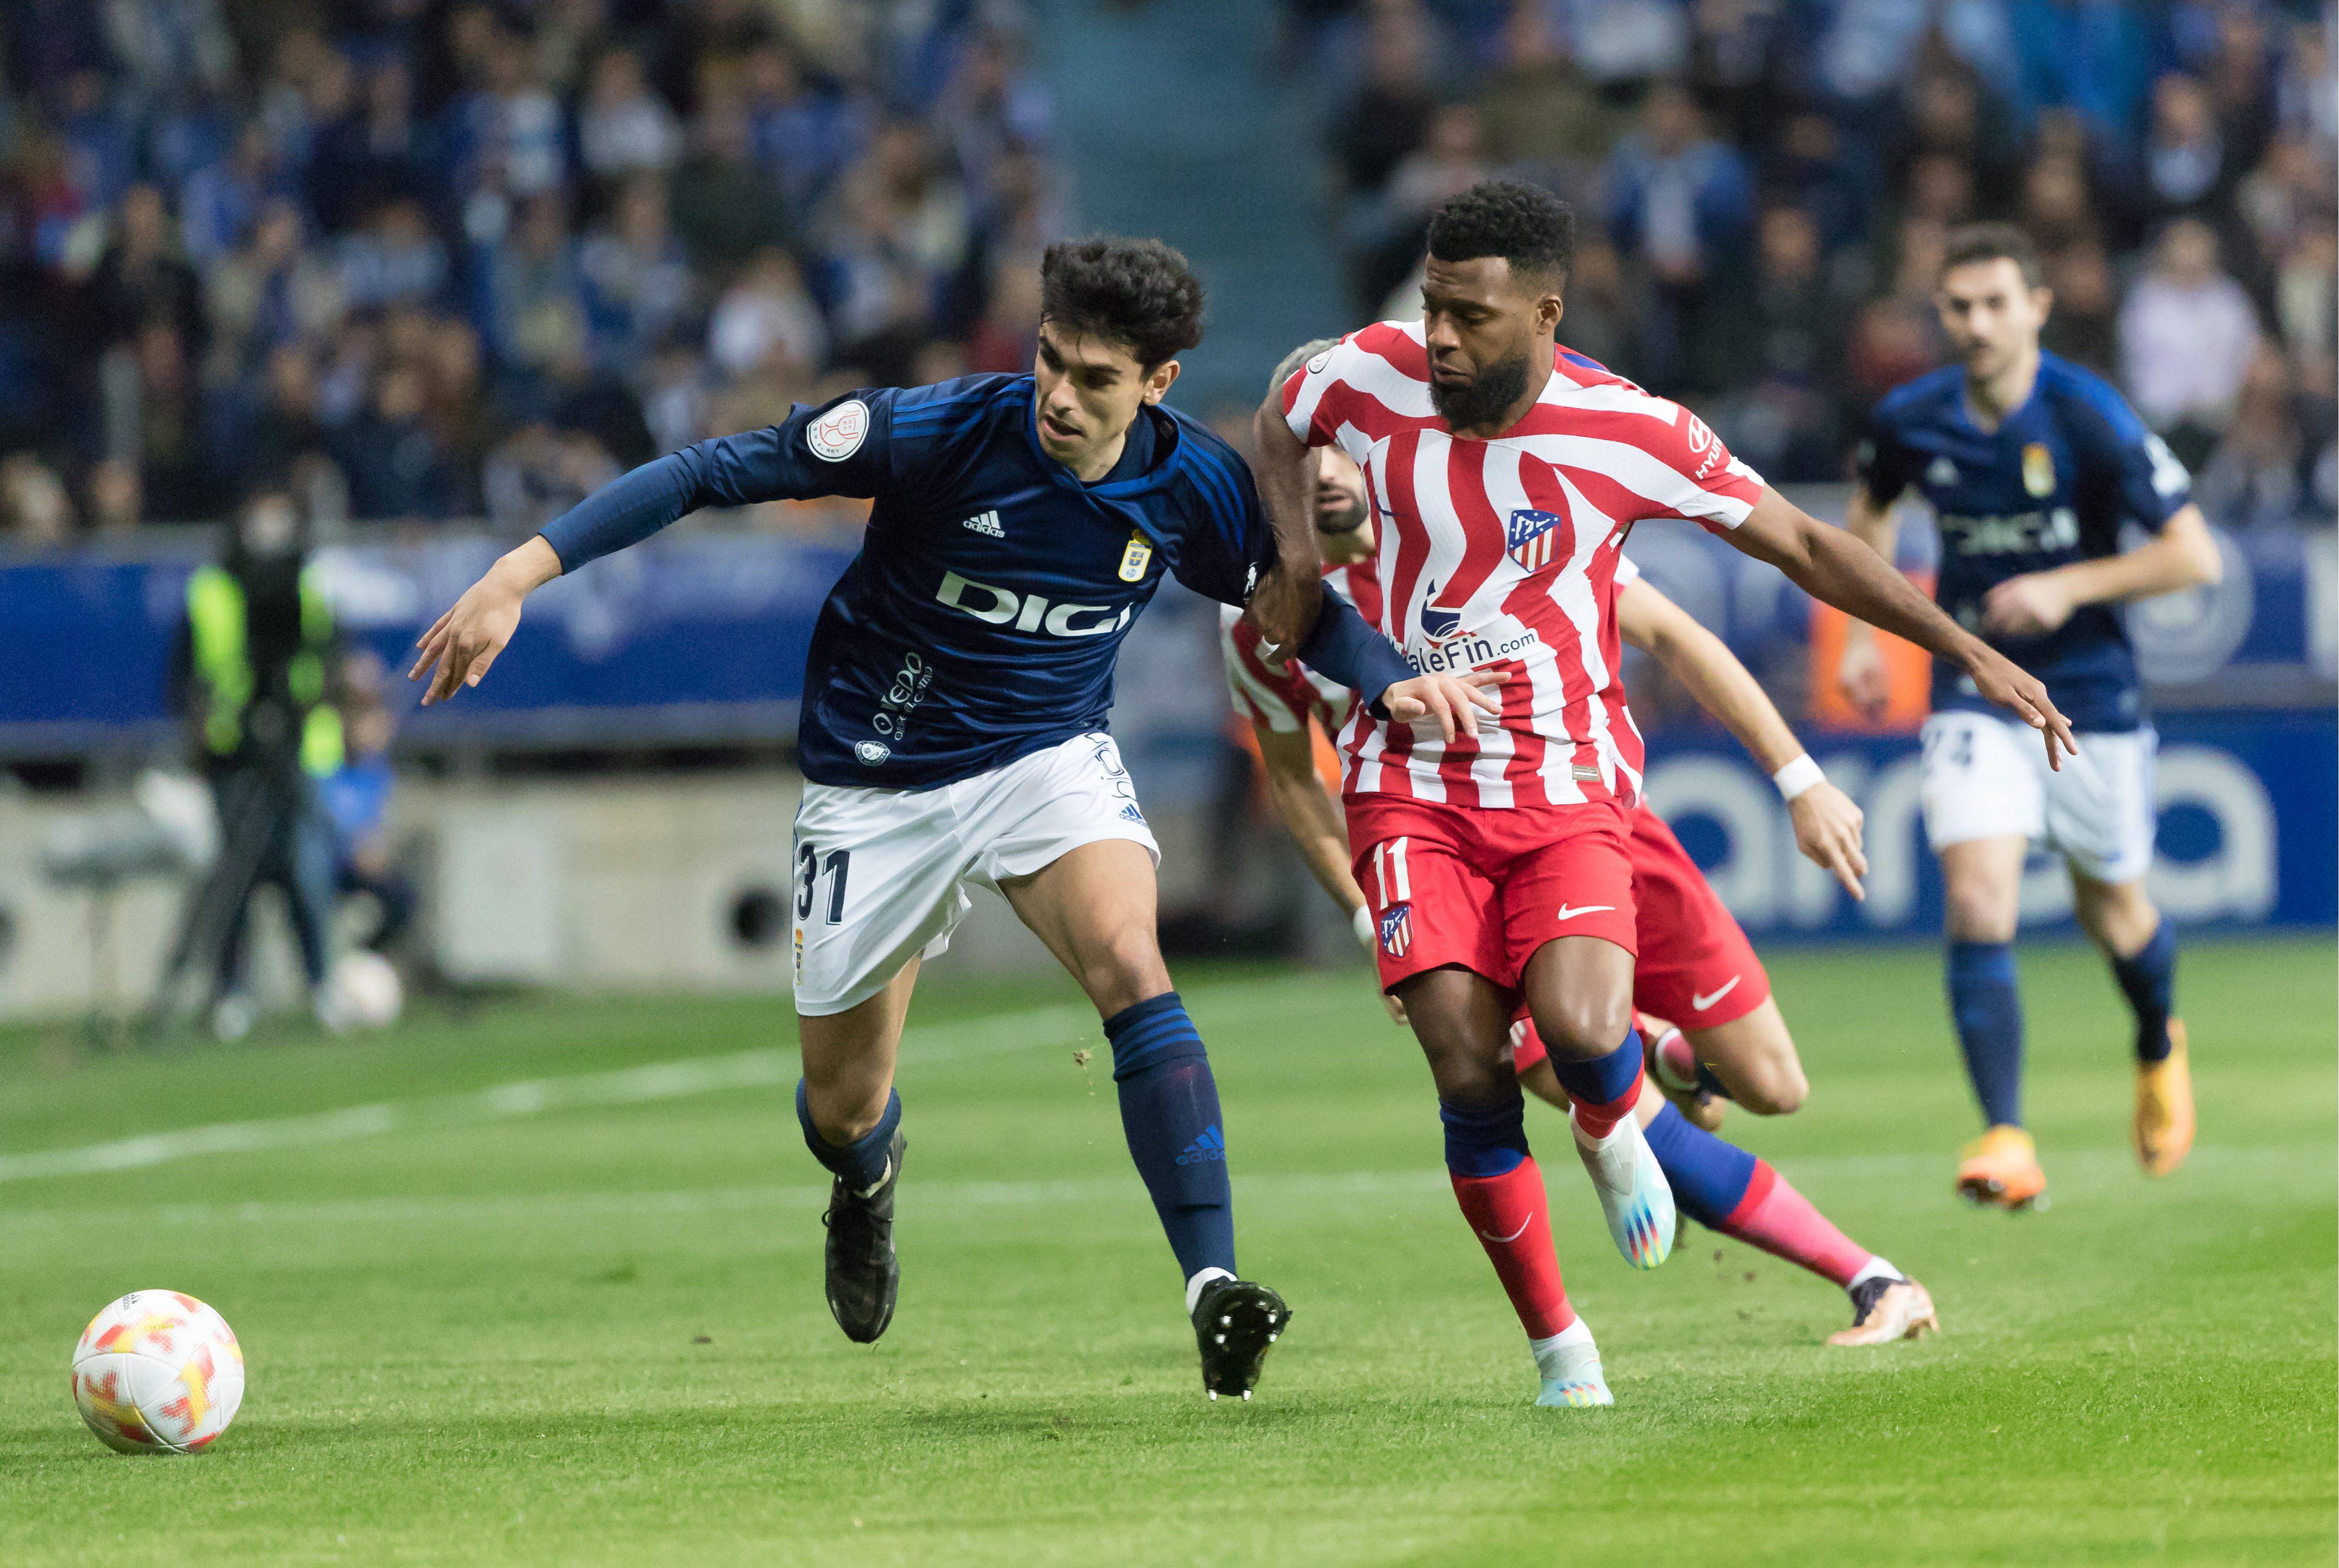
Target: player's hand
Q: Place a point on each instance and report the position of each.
(1828, 832)
(2029, 605)
(1861, 675)
(2009, 686)
(1284, 608)
(463, 643)
(1454, 701)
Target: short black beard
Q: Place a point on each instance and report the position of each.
(1484, 398)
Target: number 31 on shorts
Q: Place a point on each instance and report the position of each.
(810, 869)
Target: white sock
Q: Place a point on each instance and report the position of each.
(1194, 1285)
(1875, 1268)
(1551, 1354)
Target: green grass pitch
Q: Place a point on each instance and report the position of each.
(579, 1321)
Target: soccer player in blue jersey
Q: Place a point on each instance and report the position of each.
(2033, 467)
(953, 725)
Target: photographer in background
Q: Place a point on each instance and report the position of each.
(254, 658)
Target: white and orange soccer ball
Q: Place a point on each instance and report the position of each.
(157, 1372)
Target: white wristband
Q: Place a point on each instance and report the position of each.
(1798, 777)
(1362, 924)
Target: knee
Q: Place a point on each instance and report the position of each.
(1122, 968)
(1465, 1069)
(1978, 911)
(1773, 1089)
(1583, 1026)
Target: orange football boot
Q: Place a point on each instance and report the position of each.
(2001, 1167)
(2164, 1106)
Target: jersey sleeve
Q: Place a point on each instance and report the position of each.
(1274, 697)
(1626, 572)
(1885, 464)
(1689, 473)
(2151, 481)
(841, 448)
(1226, 543)
(1348, 383)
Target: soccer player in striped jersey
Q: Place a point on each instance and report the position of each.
(1694, 962)
(1504, 475)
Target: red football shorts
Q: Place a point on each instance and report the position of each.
(1484, 889)
(1696, 967)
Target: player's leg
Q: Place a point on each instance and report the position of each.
(1064, 841)
(1725, 1189)
(876, 885)
(1459, 1017)
(2104, 817)
(1578, 987)
(1440, 947)
(1983, 803)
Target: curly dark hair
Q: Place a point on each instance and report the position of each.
(1525, 224)
(1138, 293)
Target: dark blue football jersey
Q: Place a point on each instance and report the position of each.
(2052, 484)
(982, 616)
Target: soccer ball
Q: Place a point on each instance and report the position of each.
(365, 991)
(157, 1372)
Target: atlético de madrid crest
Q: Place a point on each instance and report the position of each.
(1530, 539)
(1396, 929)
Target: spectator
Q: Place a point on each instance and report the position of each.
(1389, 115)
(2188, 337)
(375, 154)
(725, 207)
(143, 280)
(394, 259)
(766, 316)
(222, 200)
(505, 139)
(2257, 475)
(271, 292)
(398, 467)
(156, 419)
(536, 306)
(539, 473)
(2188, 172)
(1680, 204)
(1385, 235)
(34, 503)
(1537, 106)
(636, 278)
(806, 135)
(115, 501)
(1790, 348)
(624, 127)
(2084, 325)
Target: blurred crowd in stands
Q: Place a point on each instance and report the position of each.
(1766, 185)
(444, 260)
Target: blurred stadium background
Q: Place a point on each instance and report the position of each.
(453, 265)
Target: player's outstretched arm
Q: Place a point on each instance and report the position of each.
(1861, 675)
(1827, 823)
(2182, 554)
(1829, 565)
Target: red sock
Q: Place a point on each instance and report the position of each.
(1513, 1221)
(1782, 1221)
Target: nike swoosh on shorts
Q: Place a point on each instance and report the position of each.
(1702, 1002)
(1567, 914)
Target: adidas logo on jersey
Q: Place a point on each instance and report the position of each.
(986, 524)
(1211, 1145)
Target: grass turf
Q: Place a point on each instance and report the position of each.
(582, 1323)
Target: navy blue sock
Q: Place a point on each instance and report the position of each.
(861, 1162)
(1169, 1114)
(1986, 1006)
(1605, 1080)
(1489, 1139)
(2147, 977)
(1708, 1176)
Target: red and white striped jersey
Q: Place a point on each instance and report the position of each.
(1502, 555)
(1284, 697)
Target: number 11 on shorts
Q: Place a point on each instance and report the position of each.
(1388, 870)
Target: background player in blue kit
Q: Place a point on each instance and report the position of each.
(2033, 467)
(953, 725)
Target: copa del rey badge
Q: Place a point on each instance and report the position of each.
(838, 434)
(1531, 538)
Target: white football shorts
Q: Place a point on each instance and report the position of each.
(1987, 777)
(882, 875)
